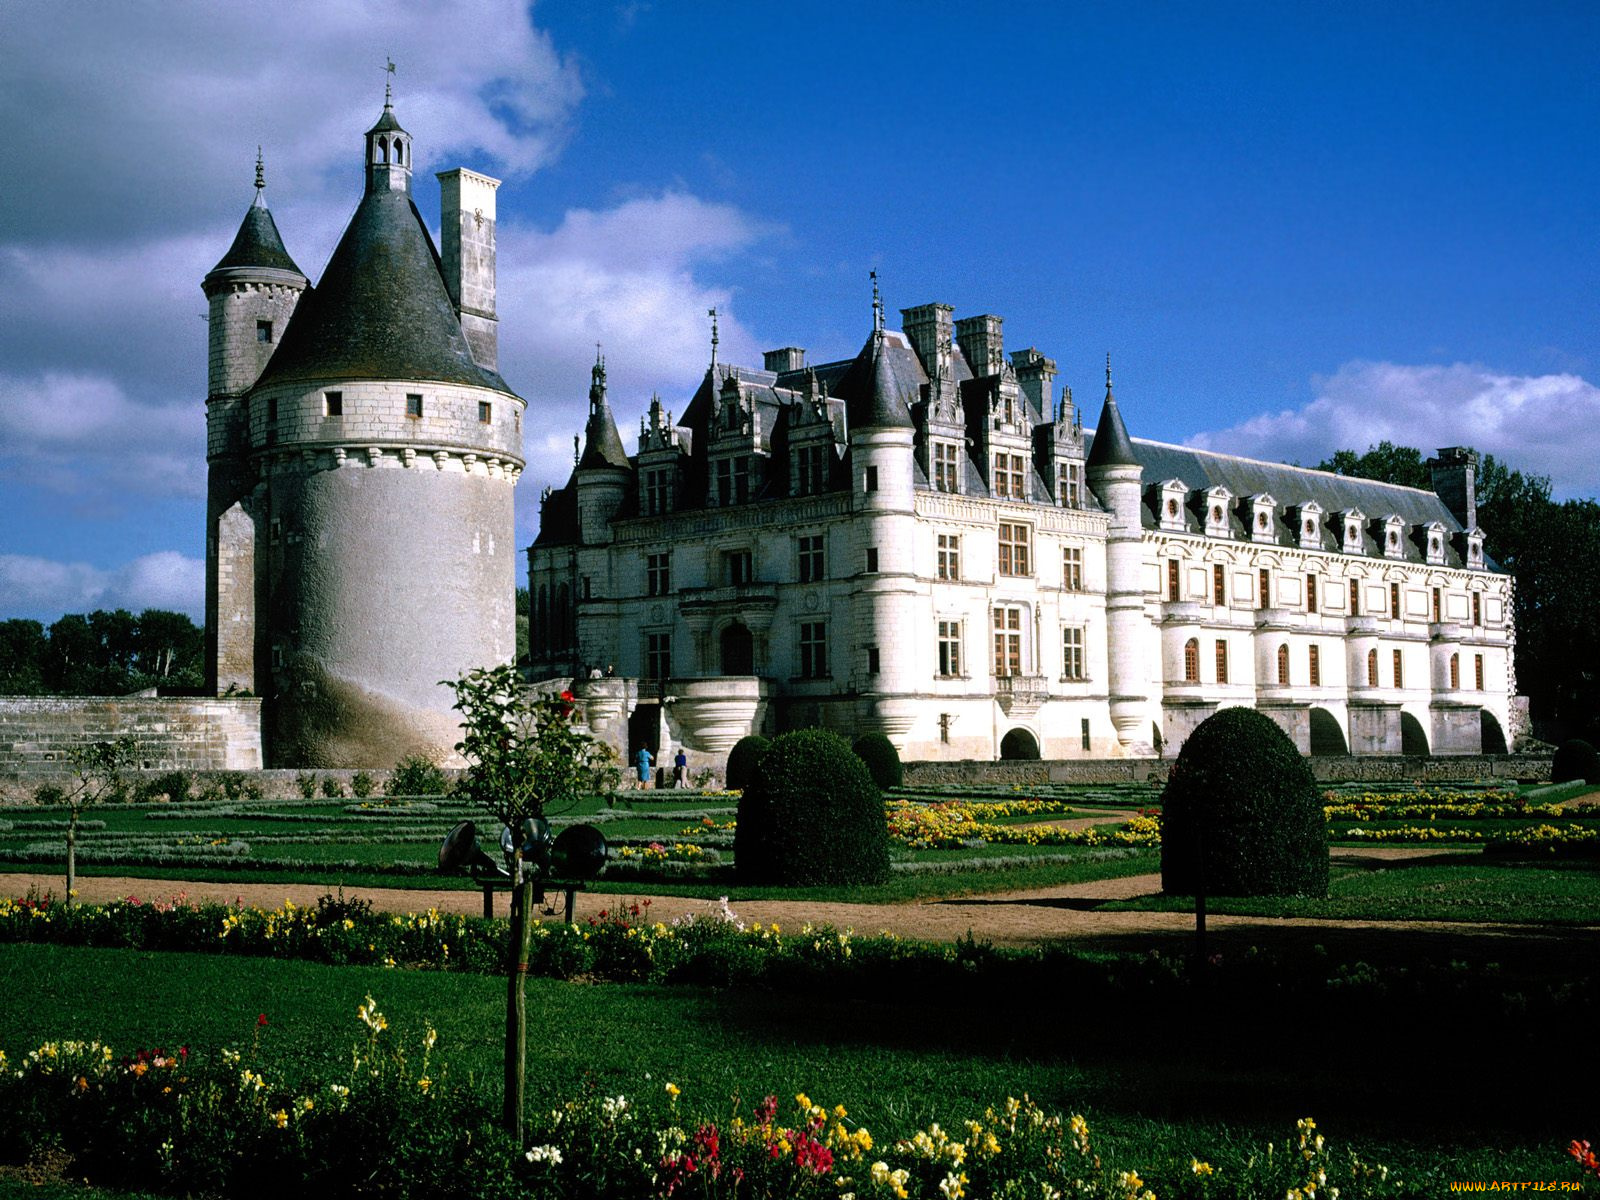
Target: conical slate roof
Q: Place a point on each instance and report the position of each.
(880, 385)
(1112, 447)
(381, 310)
(602, 444)
(257, 244)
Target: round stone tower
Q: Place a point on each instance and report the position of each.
(384, 448)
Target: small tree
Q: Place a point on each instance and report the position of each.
(98, 767)
(526, 757)
(882, 759)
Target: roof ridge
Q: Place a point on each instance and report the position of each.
(1267, 462)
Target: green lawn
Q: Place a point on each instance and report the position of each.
(1428, 1106)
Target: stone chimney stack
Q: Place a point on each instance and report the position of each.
(790, 358)
(982, 344)
(1035, 374)
(466, 229)
(1455, 479)
(927, 327)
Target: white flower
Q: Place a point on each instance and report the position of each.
(545, 1154)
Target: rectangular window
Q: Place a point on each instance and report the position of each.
(1072, 568)
(658, 491)
(1222, 662)
(813, 649)
(1394, 601)
(949, 561)
(1311, 593)
(485, 411)
(724, 482)
(658, 574)
(1219, 586)
(333, 404)
(872, 560)
(1455, 672)
(872, 660)
(1477, 670)
(263, 331)
(1477, 608)
(870, 481)
(1316, 666)
(1355, 597)
(1174, 588)
(413, 405)
(1009, 477)
(272, 409)
(1399, 670)
(1072, 653)
(1069, 484)
(944, 467)
(811, 558)
(658, 655)
(1007, 642)
(741, 480)
(736, 567)
(1014, 540)
(809, 478)
(1084, 725)
(1438, 606)
(949, 648)
(1264, 588)
(277, 529)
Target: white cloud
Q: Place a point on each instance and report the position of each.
(1547, 424)
(41, 587)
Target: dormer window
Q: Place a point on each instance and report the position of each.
(1433, 542)
(1353, 519)
(1308, 520)
(1216, 510)
(1474, 540)
(1262, 506)
(1394, 537)
(1173, 493)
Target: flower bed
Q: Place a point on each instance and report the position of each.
(956, 823)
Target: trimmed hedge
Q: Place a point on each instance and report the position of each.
(1241, 796)
(1575, 759)
(882, 759)
(742, 760)
(811, 815)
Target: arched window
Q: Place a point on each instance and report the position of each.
(1355, 597)
(1283, 665)
(383, 149)
(1455, 672)
(1191, 661)
(1222, 661)
(1372, 668)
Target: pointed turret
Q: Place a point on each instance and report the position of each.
(602, 444)
(880, 386)
(1112, 446)
(388, 151)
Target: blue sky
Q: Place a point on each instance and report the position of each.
(1295, 227)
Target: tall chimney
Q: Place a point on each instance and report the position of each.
(1455, 480)
(466, 220)
(981, 342)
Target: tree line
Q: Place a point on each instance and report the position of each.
(1552, 550)
(102, 653)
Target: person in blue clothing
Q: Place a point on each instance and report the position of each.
(644, 766)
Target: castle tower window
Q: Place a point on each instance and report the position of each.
(813, 650)
(873, 661)
(870, 480)
(413, 405)
(272, 409)
(944, 467)
(1191, 661)
(872, 561)
(1283, 665)
(1014, 540)
(658, 491)
(811, 558)
(1372, 668)
(1311, 593)
(1315, 654)
(1399, 670)
(949, 555)
(1072, 568)
(485, 411)
(1438, 605)
(1264, 588)
(1007, 641)
(1072, 653)
(1477, 608)
(1477, 670)
(1173, 580)
(949, 648)
(1222, 662)
(658, 655)
(736, 567)
(658, 574)
(1069, 484)
(1355, 597)
(809, 477)
(263, 331)
(1219, 585)
(1394, 601)
(1455, 672)
(333, 404)
(1084, 728)
(1009, 478)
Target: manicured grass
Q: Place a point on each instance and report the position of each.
(1153, 1094)
(1467, 886)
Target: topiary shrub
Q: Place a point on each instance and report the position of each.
(742, 760)
(415, 775)
(1241, 795)
(362, 785)
(811, 815)
(882, 759)
(1575, 760)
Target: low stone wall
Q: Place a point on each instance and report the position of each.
(1364, 769)
(172, 733)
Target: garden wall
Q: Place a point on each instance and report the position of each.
(1363, 769)
(188, 734)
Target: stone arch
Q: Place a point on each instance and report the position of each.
(1327, 735)
(736, 649)
(1156, 739)
(1413, 740)
(383, 149)
(1019, 744)
(1494, 738)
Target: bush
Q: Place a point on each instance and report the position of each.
(331, 789)
(811, 815)
(742, 760)
(1241, 793)
(361, 785)
(307, 785)
(49, 793)
(882, 759)
(415, 775)
(1575, 760)
(173, 785)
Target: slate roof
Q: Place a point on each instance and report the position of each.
(380, 310)
(1116, 448)
(602, 444)
(882, 384)
(257, 244)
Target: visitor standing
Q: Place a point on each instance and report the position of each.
(644, 766)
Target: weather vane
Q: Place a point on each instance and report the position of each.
(388, 84)
(712, 313)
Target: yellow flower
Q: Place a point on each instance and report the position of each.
(674, 1090)
(280, 1118)
(1200, 1168)
(424, 1083)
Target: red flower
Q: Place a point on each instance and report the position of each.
(261, 1020)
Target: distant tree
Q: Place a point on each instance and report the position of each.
(524, 603)
(22, 653)
(1385, 462)
(102, 653)
(170, 648)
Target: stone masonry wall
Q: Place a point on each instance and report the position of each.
(197, 734)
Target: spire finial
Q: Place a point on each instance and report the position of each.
(388, 84)
(261, 171)
(1108, 374)
(877, 304)
(712, 313)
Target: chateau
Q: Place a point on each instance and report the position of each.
(362, 453)
(923, 540)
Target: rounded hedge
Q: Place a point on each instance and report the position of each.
(742, 760)
(1242, 795)
(1575, 759)
(882, 759)
(811, 815)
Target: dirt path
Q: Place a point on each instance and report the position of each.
(1067, 912)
